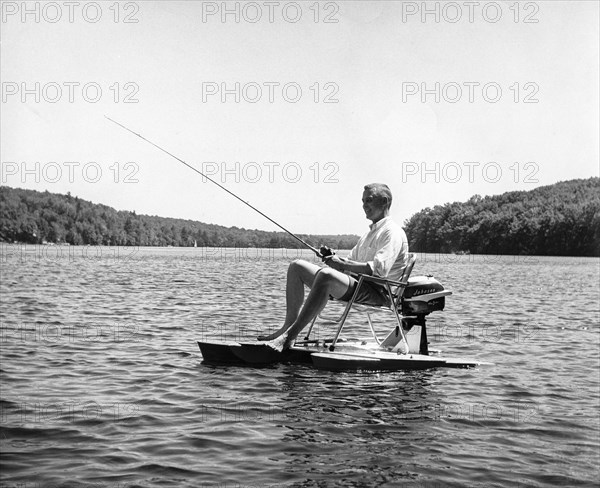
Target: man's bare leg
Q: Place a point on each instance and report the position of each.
(299, 273)
(327, 282)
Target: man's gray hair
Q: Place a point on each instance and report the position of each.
(380, 191)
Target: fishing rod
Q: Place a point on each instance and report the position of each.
(321, 253)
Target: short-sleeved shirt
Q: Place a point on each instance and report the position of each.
(384, 248)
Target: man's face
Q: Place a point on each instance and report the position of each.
(374, 208)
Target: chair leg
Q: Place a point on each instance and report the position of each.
(312, 324)
(404, 339)
(398, 319)
(373, 329)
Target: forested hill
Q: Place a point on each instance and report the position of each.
(36, 217)
(557, 220)
(561, 219)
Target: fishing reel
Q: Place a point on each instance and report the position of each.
(325, 252)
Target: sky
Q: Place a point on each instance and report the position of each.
(295, 106)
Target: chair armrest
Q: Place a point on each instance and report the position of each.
(381, 281)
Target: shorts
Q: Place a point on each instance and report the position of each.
(369, 293)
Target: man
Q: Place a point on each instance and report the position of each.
(383, 252)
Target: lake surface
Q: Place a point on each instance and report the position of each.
(103, 384)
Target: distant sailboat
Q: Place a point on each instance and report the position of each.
(195, 243)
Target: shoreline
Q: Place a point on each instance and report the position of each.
(208, 252)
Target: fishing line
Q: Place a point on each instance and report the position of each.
(316, 251)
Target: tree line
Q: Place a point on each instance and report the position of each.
(561, 219)
(34, 217)
(556, 220)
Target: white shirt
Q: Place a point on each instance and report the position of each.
(384, 248)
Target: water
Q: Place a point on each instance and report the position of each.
(103, 385)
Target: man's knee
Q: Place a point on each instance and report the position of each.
(303, 269)
(298, 264)
(331, 282)
(326, 276)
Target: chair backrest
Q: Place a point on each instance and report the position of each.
(399, 293)
(412, 258)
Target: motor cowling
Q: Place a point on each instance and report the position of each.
(423, 295)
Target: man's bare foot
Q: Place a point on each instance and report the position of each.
(273, 336)
(278, 344)
(269, 337)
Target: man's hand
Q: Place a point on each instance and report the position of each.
(335, 262)
(326, 251)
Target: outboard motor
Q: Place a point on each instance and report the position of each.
(423, 295)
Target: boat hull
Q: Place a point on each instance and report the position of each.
(346, 356)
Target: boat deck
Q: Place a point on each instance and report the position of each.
(352, 355)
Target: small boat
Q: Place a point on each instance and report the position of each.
(405, 348)
(348, 355)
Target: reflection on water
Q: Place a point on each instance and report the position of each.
(366, 415)
(103, 385)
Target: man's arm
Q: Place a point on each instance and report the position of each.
(343, 264)
(383, 261)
